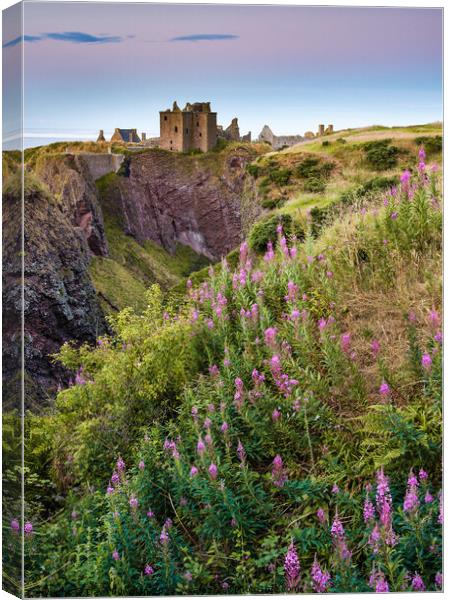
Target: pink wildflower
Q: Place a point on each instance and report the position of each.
(213, 471)
(418, 583)
(292, 568)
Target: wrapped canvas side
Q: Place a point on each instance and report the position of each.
(14, 523)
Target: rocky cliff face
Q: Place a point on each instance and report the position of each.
(192, 200)
(70, 181)
(60, 303)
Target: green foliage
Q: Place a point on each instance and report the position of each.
(264, 231)
(314, 185)
(380, 155)
(280, 177)
(254, 170)
(325, 143)
(432, 144)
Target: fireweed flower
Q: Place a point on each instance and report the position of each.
(292, 290)
(422, 153)
(120, 464)
(275, 415)
(133, 502)
(110, 490)
(374, 539)
(422, 475)
(241, 452)
(439, 580)
(214, 371)
(320, 579)
(193, 471)
(321, 515)
(384, 389)
(258, 378)
(411, 501)
(378, 582)
(394, 216)
(15, 526)
(278, 473)
(213, 471)
(428, 498)
(28, 528)
(426, 361)
(270, 336)
(345, 341)
(116, 555)
(337, 529)
(418, 583)
(238, 396)
(335, 489)
(405, 179)
(375, 348)
(150, 514)
(164, 538)
(148, 570)
(141, 465)
(368, 510)
(224, 427)
(200, 447)
(292, 568)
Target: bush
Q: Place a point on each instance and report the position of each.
(309, 167)
(380, 155)
(313, 168)
(314, 185)
(432, 144)
(341, 141)
(254, 170)
(280, 177)
(326, 143)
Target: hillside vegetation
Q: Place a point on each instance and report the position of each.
(276, 430)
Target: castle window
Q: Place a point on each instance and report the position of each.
(197, 123)
(201, 135)
(176, 129)
(165, 118)
(187, 131)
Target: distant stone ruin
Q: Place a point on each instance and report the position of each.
(285, 141)
(278, 141)
(232, 133)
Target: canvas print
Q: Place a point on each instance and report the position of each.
(222, 299)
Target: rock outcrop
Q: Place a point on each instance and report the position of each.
(192, 200)
(60, 303)
(69, 179)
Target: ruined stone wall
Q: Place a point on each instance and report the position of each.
(101, 164)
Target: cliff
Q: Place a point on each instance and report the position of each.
(93, 247)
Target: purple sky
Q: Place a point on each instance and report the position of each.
(91, 66)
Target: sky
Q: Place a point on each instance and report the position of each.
(89, 66)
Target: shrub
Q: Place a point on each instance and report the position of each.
(309, 167)
(341, 141)
(432, 144)
(254, 170)
(280, 177)
(326, 143)
(314, 185)
(380, 155)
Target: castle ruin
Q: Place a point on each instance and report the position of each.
(193, 128)
(284, 141)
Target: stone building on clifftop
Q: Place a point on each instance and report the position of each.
(193, 128)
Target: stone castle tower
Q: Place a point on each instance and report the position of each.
(193, 128)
